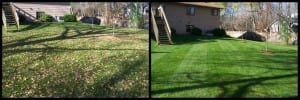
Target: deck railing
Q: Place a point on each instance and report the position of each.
(15, 15)
(163, 15)
(4, 19)
(21, 11)
(154, 26)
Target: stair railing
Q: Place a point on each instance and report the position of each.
(154, 26)
(163, 15)
(21, 11)
(15, 15)
(4, 19)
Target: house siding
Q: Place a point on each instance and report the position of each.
(51, 8)
(178, 19)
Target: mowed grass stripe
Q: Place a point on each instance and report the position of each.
(160, 51)
(246, 57)
(255, 55)
(173, 52)
(188, 63)
(227, 66)
(199, 61)
(162, 70)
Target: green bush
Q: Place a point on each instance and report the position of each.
(46, 18)
(219, 32)
(69, 18)
(173, 31)
(196, 31)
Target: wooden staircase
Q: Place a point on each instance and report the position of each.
(161, 28)
(162, 32)
(9, 15)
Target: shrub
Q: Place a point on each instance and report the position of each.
(196, 31)
(69, 18)
(173, 31)
(219, 32)
(46, 18)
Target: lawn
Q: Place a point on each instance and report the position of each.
(74, 60)
(222, 67)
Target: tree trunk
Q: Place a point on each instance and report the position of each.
(253, 17)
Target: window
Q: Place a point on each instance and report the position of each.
(56, 18)
(59, 18)
(215, 12)
(190, 11)
(39, 14)
(189, 28)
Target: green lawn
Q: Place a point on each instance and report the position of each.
(222, 67)
(74, 60)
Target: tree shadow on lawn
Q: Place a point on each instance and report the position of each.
(62, 36)
(31, 26)
(240, 92)
(68, 84)
(101, 88)
(74, 83)
(80, 30)
(159, 52)
(193, 77)
(67, 87)
(186, 39)
(138, 31)
(279, 58)
(57, 49)
(284, 61)
(194, 39)
(23, 40)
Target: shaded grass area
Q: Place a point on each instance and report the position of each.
(74, 60)
(222, 67)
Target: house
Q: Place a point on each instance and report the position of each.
(293, 24)
(182, 16)
(32, 10)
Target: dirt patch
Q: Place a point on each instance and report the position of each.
(109, 38)
(105, 36)
(266, 52)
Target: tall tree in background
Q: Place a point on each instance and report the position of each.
(228, 15)
(268, 20)
(284, 28)
(136, 17)
(253, 11)
(259, 17)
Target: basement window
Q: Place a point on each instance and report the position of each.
(189, 28)
(39, 14)
(190, 11)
